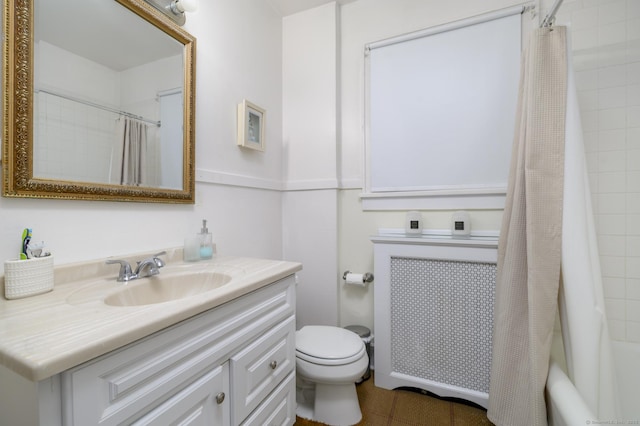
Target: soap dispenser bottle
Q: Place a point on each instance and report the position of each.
(206, 242)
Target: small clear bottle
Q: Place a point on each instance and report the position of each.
(206, 242)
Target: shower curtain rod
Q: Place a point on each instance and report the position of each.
(551, 16)
(102, 107)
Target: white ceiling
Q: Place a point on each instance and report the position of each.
(102, 31)
(109, 34)
(289, 7)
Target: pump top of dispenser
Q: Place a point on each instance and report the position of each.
(204, 229)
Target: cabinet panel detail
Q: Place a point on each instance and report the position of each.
(258, 368)
(278, 408)
(196, 404)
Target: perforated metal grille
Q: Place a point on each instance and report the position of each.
(442, 320)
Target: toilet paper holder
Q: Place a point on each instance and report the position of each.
(367, 277)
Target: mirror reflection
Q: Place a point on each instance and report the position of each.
(107, 96)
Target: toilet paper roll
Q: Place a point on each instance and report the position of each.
(355, 279)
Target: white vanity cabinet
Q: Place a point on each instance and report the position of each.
(231, 365)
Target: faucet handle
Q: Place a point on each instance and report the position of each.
(125, 273)
(159, 262)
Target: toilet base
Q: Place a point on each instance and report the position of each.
(330, 404)
(304, 403)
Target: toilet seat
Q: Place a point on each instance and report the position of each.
(327, 345)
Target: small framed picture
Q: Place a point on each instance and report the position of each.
(251, 121)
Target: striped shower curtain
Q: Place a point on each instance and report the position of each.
(134, 156)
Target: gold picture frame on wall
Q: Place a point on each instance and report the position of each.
(251, 123)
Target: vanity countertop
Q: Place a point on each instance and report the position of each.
(43, 335)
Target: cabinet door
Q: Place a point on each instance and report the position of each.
(261, 366)
(279, 409)
(204, 402)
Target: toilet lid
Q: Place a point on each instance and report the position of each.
(328, 345)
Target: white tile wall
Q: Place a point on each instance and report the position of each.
(633, 224)
(632, 289)
(633, 92)
(613, 139)
(606, 49)
(63, 149)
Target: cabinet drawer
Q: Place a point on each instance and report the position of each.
(261, 366)
(279, 408)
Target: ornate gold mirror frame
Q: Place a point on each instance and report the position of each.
(17, 104)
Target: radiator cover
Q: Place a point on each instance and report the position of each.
(442, 320)
(433, 314)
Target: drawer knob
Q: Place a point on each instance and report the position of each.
(273, 364)
(220, 398)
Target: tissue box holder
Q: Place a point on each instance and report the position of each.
(28, 277)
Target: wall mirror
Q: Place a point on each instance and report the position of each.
(99, 100)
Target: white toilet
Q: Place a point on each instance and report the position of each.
(329, 360)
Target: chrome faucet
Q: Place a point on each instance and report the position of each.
(149, 267)
(145, 268)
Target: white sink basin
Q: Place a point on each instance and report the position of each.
(159, 289)
(151, 290)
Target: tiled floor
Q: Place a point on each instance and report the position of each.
(381, 407)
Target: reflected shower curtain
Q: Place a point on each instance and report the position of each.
(133, 159)
(529, 250)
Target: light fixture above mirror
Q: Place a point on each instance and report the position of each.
(175, 9)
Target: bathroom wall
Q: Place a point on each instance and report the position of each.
(65, 153)
(310, 143)
(362, 22)
(239, 56)
(606, 57)
(323, 74)
(62, 152)
(606, 49)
